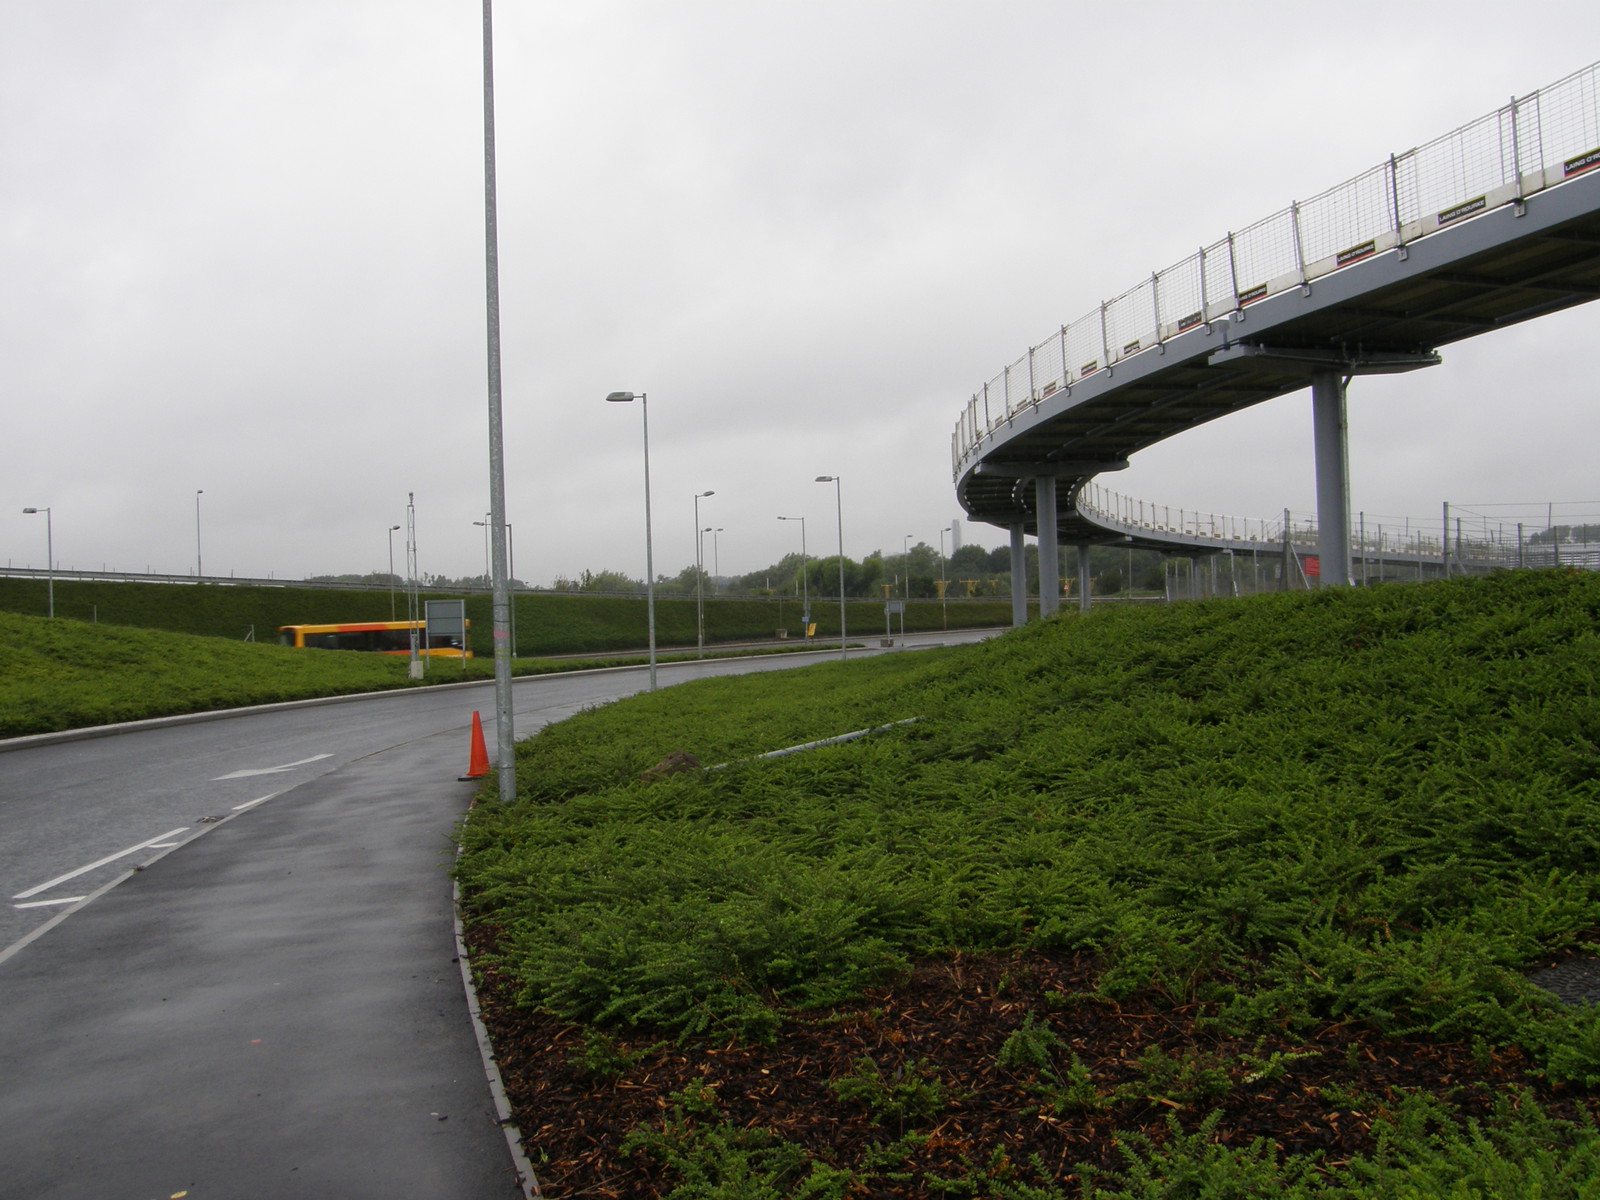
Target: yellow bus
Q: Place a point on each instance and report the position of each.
(377, 637)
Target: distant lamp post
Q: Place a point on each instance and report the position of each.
(649, 551)
(49, 554)
(485, 524)
(905, 561)
(511, 583)
(716, 553)
(838, 503)
(805, 586)
(392, 529)
(944, 585)
(198, 560)
(699, 577)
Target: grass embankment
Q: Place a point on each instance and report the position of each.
(62, 674)
(1223, 899)
(546, 623)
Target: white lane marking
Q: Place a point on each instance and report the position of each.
(249, 771)
(47, 903)
(44, 887)
(256, 801)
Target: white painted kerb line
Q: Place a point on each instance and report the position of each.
(45, 887)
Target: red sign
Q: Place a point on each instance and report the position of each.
(1313, 567)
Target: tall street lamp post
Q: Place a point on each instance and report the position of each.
(649, 551)
(716, 553)
(392, 529)
(50, 556)
(485, 525)
(198, 562)
(805, 586)
(505, 732)
(699, 576)
(838, 503)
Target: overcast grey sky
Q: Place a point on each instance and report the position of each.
(241, 250)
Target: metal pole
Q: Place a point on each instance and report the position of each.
(699, 574)
(1333, 478)
(392, 528)
(649, 552)
(1085, 600)
(1049, 547)
(838, 501)
(49, 557)
(505, 734)
(805, 585)
(944, 584)
(199, 564)
(1444, 539)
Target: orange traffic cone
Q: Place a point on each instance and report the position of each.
(479, 766)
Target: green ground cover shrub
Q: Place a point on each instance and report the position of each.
(1375, 805)
(64, 674)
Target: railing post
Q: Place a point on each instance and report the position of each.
(1105, 346)
(1155, 302)
(1205, 300)
(1033, 388)
(1444, 539)
(1394, 204)
(1066, 367)
(1518, 207)
(1233, 271)
(1299, 248)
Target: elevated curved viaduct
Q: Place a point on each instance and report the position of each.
(1495, 223)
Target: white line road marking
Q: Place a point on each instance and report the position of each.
(47, 903)
(256, 801)
(249, 771)
(44, 887)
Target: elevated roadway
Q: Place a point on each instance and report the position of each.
(1491, 225)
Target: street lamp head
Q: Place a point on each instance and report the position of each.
(826, 478)
(32, 510)
(392, 528)
(620, 397)
(703, 495)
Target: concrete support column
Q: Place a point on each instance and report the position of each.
(1049, 546)
(1331, 436)
(1019, 579)
(1084, 599)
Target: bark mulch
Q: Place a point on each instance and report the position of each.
(948, 1022)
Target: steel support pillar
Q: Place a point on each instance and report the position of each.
(1084, 599)
(1019, 579)
(1331, 436)
(1049, 546)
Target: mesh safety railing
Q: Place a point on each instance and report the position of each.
(1532, 143)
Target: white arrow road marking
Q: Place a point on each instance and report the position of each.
(45, 887)
(247, 772)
